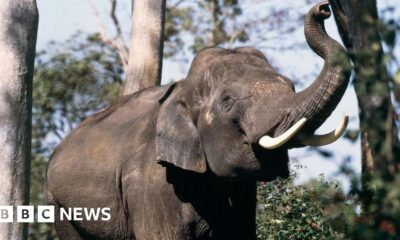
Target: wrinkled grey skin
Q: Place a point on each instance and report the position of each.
(181, 161)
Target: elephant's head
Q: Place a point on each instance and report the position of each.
(235, 116)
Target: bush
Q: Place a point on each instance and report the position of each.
(288, 211)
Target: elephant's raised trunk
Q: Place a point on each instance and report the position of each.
(319, 100)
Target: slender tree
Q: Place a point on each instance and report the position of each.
(146, 47)
(361, 31)
(18, 30)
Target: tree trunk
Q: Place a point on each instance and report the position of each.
(146, 48)
(18, 30)
(358, 25)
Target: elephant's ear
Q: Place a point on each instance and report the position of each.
(177, 141)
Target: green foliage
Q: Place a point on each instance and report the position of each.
(201, 24)
(72, 81)
(288, 211)
(176, 21)
(216, 33)
(381, 220)
(343, 213)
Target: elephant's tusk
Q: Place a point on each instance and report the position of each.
(272, 143)
(320, 140)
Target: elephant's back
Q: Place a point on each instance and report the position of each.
(104, 133)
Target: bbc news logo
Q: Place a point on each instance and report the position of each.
(46, 214)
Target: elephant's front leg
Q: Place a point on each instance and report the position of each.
(157, 222)
(155, 211)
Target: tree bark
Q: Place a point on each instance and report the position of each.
(358, 25)
(146, 48)
(18, 31)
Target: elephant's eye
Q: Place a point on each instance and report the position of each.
(227, 103)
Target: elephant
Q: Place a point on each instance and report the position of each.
(182, 161)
